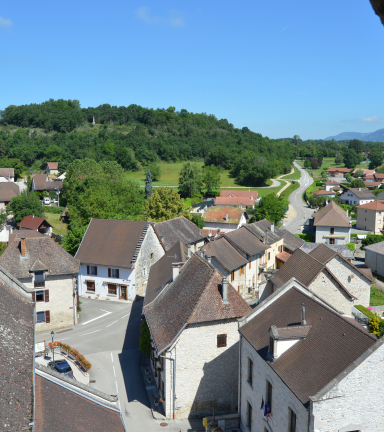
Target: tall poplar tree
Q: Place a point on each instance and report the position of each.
(148, 185)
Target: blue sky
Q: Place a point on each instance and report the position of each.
(278, 67)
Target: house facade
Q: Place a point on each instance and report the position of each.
(116, 257)
(52, 168)
(35, 223)
(370, 216)
(338, 172)
(194, 345)
(7, 175)
(357, 196)
(41, 182)
(331, 225)
(330, 184)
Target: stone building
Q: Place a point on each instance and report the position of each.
(370, 216)
(327, 274)
(116, 257)
(310, 368)
(51, 273)
(193, 325)
(357, 196)
(52, 168)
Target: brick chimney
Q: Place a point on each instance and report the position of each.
(22, 246)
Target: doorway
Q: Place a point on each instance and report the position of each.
(123, 292)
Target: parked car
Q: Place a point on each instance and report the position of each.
(55, 201)
(46, 201)
(62, 366)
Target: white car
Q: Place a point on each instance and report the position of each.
(46, 201)
(55, 201)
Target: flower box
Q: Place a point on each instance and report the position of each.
(149, 379)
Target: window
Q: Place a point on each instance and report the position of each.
(292, 420)
(232, 276)
(221, 340)
(39, 279)
(250, 371)
(332, 230)
(269, 395)
(91, 286)
(92, 270)
(112, 289)
(39, 296)
(269, 256)
(144, 271)
(113, 273)
(43, 317)
(249, 415)
(331, 241)
(151, 256)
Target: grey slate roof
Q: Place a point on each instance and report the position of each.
(262, 230)
(291, 241)
(362, 193)
(176, 229)
(7, 172)
(248, 244)
(225, 254)
(342, 250)
(376, 247)
(331, 215)
(40, 252)
(16, 359)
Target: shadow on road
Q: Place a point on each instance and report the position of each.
(130, 358)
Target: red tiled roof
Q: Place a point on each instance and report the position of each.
(209, 232)
(331, 182)
(33, 223)
(53, 165)
(323, 192)
(283, 256)
(379, 176)
(219, 214)
(343, 170)
(372, 184)
(239, 193)
(374, 205)
(234, 201)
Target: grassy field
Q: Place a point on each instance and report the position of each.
(291, 188)
(329, 163)
(59, 227)
(294, 176)
(377, 297)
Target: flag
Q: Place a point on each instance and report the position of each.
(262, 405)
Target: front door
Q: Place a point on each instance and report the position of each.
(123, 292)
(331, 241)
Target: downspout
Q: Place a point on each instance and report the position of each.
(174, 379)
(239, 396)
(74, 300)
(34, 373)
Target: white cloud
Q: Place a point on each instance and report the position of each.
(373, 119)
(174, 18)
(5, 22)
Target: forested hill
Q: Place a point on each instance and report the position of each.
(63, 131)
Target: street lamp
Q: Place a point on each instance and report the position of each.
(53, 349)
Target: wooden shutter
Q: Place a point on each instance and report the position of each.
(117, 273)
(249, 264)
(95, 271)
(87, 269)
(46, 296)
(109, 272)
(47, 317)
(33, 296)
(221, 340)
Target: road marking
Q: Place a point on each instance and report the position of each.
(125, 316)
(111, 324)
(117, 390)
(114, 372)
(64, 339)
(85, 334)
(112, 357)
(94, 319)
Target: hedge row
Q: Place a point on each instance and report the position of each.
(365, 311)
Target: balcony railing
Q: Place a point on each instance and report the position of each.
(39, 284)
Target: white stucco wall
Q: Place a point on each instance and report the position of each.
(374, 261)
(323, 235)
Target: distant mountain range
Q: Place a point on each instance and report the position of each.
(377, 136)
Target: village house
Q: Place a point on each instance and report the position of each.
(307, 367)
(379, 177)
(338, 172)
(170, 231)
(240, 193)
(35, 223)
(374, 257)
(365, 171)
(52, 168)
(51, 272)
(210, 233)
(330, 184)
(7, 175)
(41, 183)
(343, 250)
(224, 218)
(194, 339)
(372, 185)
(240, 202)
(327, 274)
(356, 196)
(370, 216)
(8, 190)
(326, 193)
(115, 258)
(330, 225)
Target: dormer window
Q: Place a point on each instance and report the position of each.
(39, 279)
(282, 339)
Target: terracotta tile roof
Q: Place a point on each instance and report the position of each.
(161, 272)
(379, 176)
(323, 192)
(16, 359)
(180, 228)
(33, 223)
(60, 409)
(331, 215)
(225, 254)
(362, 193)
(241, 193)
(208, 232)
(331, 345)
(7, 172)
(193, 297)
(283, 256)
(374, 205)
(369, 176)
(340, 170)
(8, 190)
(219, 214)
(365, 171)
(337, 188)
(372, 184)
(42, 249)
(234, 201)
(53, 165)
(331, 182)
(111, 242)
(248, 244)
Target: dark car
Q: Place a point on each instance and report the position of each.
(61, 366)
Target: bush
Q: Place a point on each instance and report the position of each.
(354, 235)
(372, 239)
(365, 311)
(320, 184)
(145, 338)
(56, 210)
(351, 246)
(305, 237)
(80, 358)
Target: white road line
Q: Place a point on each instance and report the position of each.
(104, 310)
(90, 332)
(94, 319)
(125, 316)
(111, 324)
(112, 357)
(114, 372)
(64, 339)
(117, 390)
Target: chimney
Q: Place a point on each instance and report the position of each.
(225, 290)
(175, 270)
(189, 251)
(226, 217)
(202, 253)
(11, 230)
(360, 189)
(209, 259)
(303, 322)
(272, 227)
(22, 246)
(33, 216)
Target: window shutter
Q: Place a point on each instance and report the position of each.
(46, 296)
(47, 317)
(33, 296)
(109, 272)
(249, 264)
(95, 271)
(87, 269)
(117, 273)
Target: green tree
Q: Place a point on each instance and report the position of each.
(339, 158)
(349, 178)
(75, 234)
(357, 183)
(307, 163)
(198, 220)
(27, 203)
(351, 159)
(155, 171)
(324, 176)
(211, 179)
(270, 207)
(145, 338)
(317, 201)
(164, 204)
(190, 180)
(358, 173)
(376, 158)
(14, 163)
(148, 184)
(357, 146)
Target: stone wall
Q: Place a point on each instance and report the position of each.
(150, 245)
(374, 261)
(282, 397)
(206, 376)
(329, 290)
(356, 402)
(323, 234)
